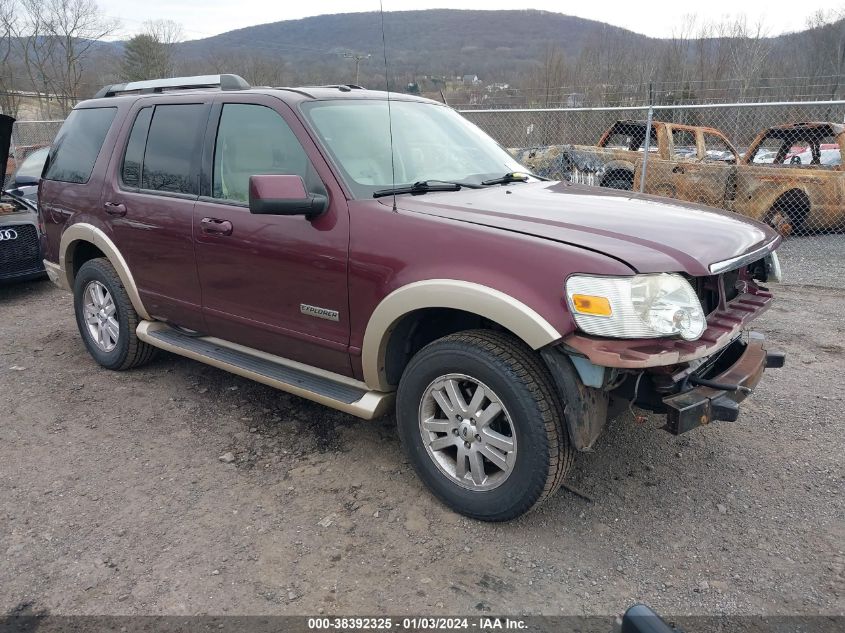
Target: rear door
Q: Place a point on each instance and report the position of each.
(150, 198)
(260, 273)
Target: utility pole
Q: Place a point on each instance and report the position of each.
(358, 57)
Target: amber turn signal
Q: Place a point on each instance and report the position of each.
(588, 304)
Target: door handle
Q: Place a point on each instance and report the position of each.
(213, 226)
(115, 208)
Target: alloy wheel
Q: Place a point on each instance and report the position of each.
(467, 432)
(101, 316)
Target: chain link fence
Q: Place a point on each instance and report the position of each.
(779, 163)
(28, 137)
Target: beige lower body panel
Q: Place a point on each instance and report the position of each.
(54, 272)
(371, 405)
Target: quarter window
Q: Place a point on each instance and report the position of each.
(251, 140)
(172, 142)
(78, 144)
(134, 157)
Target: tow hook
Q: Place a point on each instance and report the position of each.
(775, 360)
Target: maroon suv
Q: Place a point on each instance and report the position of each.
(353, 250)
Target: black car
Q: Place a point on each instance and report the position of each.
(20, 253)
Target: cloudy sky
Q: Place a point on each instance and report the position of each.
(201, 18)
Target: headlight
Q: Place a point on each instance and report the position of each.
(640, 306)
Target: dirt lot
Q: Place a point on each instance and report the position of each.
(113, 499)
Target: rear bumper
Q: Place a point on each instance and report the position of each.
(708, 403)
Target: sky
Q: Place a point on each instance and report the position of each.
(660, 18)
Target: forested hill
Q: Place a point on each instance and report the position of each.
(436, 41)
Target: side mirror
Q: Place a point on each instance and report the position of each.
(273, 194)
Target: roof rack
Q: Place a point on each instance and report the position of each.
(341, 87)
(224, 82)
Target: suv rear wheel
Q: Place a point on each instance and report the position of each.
(482, 424)
(106, 318)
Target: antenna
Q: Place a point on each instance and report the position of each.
(389, 117)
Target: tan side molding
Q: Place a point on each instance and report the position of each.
(82, 232)
(478, 299)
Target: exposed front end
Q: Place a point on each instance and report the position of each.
(20, 250)
(695, 374)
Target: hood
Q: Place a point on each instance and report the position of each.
(648, 233)
(6, 123)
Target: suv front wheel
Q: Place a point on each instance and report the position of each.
(106, 318)
(482, 424)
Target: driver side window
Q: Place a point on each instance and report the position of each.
(255, 140)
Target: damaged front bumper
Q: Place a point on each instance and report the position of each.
(718, 397)
(689, 394)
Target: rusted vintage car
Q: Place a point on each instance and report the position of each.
(685, 162)
(792, 177)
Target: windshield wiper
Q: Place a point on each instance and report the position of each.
(514, 176)
(425, 186)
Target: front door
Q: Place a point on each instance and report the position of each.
(274, 283)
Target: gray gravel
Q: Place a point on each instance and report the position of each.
(817, 260)
(118, 495)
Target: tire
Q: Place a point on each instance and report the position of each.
(531, 419)
(124, 351)
(788, 215)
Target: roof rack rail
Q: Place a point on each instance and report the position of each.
(224, 82)
(341, 87)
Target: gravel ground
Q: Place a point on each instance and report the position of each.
(817, 260)
(114, 498)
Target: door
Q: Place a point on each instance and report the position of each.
(716, 171)
(149, 203)
(699, 168)
(274, 283)
(670, 176)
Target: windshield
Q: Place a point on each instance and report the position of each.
(430, 142)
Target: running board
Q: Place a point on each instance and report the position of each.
(327, 388)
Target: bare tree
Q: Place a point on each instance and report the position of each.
(749, 49)
(56, 39)
(547, 79)
(9, 71)
(823, 50)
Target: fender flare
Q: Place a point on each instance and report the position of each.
(83, 232)
(478, 299)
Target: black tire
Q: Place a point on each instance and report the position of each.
(524, 386)
(129, 351)
(788, 215)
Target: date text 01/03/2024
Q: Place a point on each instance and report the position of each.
(416, 623)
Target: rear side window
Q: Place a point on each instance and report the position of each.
(133, 159)
(168, 163)
(78, 144)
